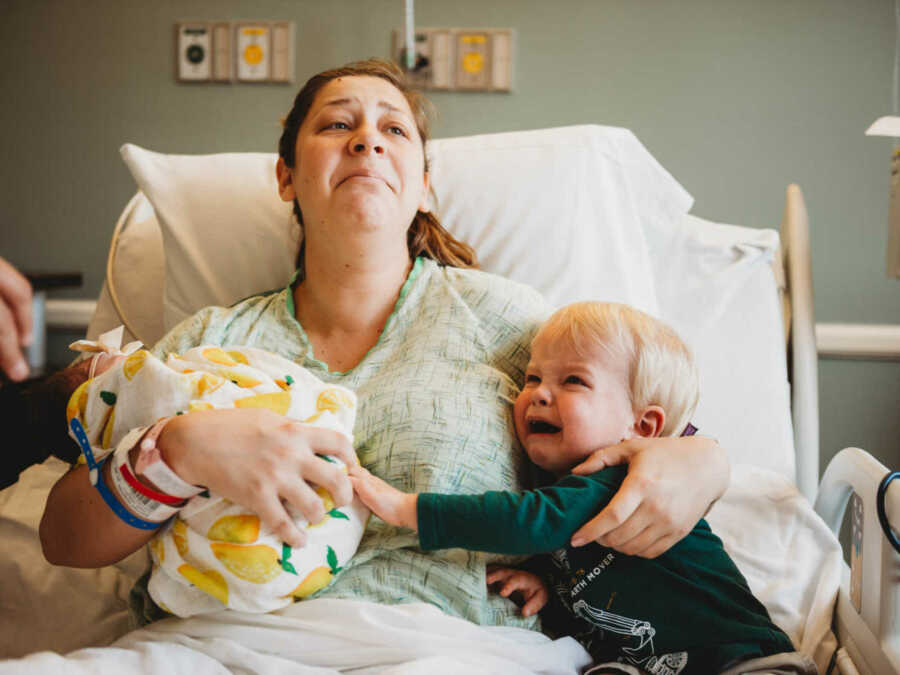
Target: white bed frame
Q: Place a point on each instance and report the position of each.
(869, 637)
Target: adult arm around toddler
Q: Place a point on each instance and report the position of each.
(671, 484)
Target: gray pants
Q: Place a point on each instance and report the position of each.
(788, 663)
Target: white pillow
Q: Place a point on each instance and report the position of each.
(561, 209)
(226, 232)
(564, 210)
(139, 275)
(716, 288)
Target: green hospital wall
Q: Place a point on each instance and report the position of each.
(735, 99)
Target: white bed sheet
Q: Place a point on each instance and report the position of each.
(319, 637)
(789, 557)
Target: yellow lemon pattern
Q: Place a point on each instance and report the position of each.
(159, 549)
(238, 357)
(331, 400)
(108, 429)
(207, 383)
(134, 363)
(328, 503)
(194, 406)
(240, 379)
(319, 578)
(78, 403)
(257, 564)
(218, 355)
(315, 581)
(278, 402)
(179, 536)
(242, 529)
(209, 581)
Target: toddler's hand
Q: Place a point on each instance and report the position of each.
(388, 503)
(534, 593)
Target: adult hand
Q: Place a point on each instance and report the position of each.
(260, 460)
(387, 502)
(671, 484)
(15, 321)
(534, 592)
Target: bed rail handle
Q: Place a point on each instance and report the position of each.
(854, 470)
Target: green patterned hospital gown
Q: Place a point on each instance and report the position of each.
(435, 415)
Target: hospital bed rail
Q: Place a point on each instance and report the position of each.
(868, 634)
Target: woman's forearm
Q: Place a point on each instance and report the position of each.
(78, 529)
(719, 467)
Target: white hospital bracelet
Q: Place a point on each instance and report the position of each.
(151, 465)
(140, 504)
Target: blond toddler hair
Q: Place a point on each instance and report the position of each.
(660, 366)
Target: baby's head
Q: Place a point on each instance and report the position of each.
(600, 373)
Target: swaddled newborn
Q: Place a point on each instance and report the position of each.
(215, 553)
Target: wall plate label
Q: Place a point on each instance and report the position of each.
(253, 52)
(194, 52)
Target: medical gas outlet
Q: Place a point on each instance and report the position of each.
(242, 51)
(463, 59)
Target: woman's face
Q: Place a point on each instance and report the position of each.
(360, 164)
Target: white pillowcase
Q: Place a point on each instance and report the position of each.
(564, 210)
(716, 288)
(139, 274)
(226, 232)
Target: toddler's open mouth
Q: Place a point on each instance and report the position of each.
(541, 427)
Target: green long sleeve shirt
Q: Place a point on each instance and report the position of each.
(687, 611)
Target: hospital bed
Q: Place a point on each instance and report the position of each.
(577, 212)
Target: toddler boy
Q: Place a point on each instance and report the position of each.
(601, 373)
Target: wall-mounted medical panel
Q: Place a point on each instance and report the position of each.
(235, 51)
(463, 59)
(193, 44)
(253, 50)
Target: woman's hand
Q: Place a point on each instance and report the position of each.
(671, 484)
(388, 503)
(534, 593)
(260, 460)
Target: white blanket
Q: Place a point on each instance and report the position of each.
(789, 557)
(317, 637)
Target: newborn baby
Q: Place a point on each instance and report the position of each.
(211, 552)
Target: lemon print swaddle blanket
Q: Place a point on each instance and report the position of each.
(215, 553)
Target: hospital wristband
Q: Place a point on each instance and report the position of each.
(95, 476)
(151, 465)
(137, 500)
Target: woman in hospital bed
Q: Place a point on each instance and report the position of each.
(386, 303)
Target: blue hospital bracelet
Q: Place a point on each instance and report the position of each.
(96, 479)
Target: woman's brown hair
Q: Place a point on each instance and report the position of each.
(426, 236)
